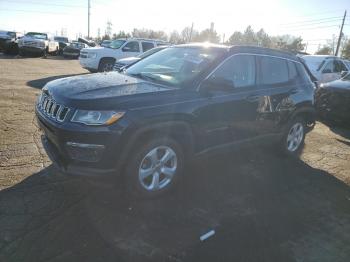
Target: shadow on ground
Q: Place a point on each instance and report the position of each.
(261, 206)
(40, 83)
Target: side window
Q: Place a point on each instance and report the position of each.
(339, 66)
(293, 74)
(132, 46)
(273, 70)
(329, 67)
(238, 71)
(146, 46)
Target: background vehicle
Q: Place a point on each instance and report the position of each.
(72, 50)
(325, 68)
(101, 59)
(9, 41)
(37, 43)
(333, 101)
(105, 43)
(121, 63)
(62, 43)
(183, 101)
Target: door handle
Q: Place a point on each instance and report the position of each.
(252, 98)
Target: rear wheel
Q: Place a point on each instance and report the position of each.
(294, 136)
(154, 168)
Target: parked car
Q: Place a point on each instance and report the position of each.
(86, 41)
(72, 50)
(62, 43)
(100, 59)
(182, 102)
(105, 43)
(324, 67)
(9, 41)
(37, 43)
(333, 100)
(122, 63)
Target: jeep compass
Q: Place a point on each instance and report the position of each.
(145, 123)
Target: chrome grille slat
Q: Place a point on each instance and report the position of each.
(52, 110)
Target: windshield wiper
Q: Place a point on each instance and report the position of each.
(143, 76)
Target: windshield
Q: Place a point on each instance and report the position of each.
(62, 39)
(116, 44)
(76, 45)
(37, 35)
(314, 63)
(174, 66)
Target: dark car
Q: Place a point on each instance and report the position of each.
(72, 50)
(9, 42)
(122, 63)
(182, 102)
(333, 101)
(62, 43)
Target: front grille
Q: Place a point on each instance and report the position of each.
(30, 43)
(118, 66)
(51, 109)
(83, 54)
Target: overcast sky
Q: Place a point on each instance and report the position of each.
(313, 20)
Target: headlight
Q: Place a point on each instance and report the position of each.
(91, 55)
(96, 117)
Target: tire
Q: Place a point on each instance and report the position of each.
(293, 137)
(106, 64)
(147, 159)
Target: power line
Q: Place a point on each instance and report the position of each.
(314, 23)
(44, 4)
(311, 28)
(31, 11)
(313, 20)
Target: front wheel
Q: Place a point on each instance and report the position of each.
(154, 168)
(294, 136)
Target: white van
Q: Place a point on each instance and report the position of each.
(326, 68)
(100, 59)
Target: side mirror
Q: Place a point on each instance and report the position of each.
(326, 71)
(343, 73)
(126, 49)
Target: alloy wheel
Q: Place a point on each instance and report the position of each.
(158, 168)
(295, 137)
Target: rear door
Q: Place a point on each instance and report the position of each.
(146, 46)
(277, 83)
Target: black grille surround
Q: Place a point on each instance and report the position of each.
(48, 107)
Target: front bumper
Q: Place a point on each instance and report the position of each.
(89, 63)
(81, 150)
(32, 49)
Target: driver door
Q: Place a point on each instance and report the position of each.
(230, 116)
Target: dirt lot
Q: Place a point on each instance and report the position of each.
(263, 207)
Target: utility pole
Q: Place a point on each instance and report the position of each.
(89, 6)
(189, 40)
(340, 35)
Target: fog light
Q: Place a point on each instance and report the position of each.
(85, 152)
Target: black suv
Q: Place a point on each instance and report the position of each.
(183, 101)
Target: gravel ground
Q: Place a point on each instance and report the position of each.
(263, 207)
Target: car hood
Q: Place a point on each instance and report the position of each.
(128, 60)
(105, 89)
(340, 84)
(24, 38)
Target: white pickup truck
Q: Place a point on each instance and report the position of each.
(37, 43)
(100, 59)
